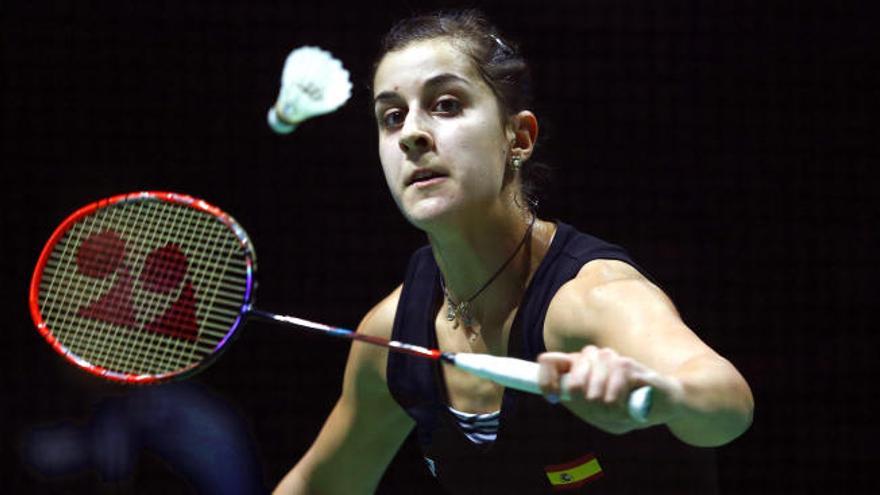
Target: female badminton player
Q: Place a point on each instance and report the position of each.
(455, 140)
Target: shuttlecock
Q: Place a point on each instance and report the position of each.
(313, 83)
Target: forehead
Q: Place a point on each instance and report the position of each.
(420, 61)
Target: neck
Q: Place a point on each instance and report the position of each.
(472, 253)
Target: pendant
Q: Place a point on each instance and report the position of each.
(451, 316)
(459, 313)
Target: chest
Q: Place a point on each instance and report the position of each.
(467, 392)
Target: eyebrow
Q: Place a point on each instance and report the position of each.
(438, 80)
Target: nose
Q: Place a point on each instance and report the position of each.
(414, 137)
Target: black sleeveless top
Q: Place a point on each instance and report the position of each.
(540, 448)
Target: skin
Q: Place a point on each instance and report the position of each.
(609, 328)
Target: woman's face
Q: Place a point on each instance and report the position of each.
(442, 144)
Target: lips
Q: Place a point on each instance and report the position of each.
(424, 175)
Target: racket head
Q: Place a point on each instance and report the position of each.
(143, 287)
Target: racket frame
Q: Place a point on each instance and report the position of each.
(168, 197)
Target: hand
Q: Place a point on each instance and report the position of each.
(598, 384)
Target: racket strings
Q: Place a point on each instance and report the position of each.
(123, 346)
(66, 295)
(148, 347)
(163, 304)
(79, 334)
(123, 355)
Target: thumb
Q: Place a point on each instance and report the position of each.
(551, 366)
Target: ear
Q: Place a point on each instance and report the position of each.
(523, 134)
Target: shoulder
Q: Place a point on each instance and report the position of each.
(380, 319)
(366, 363)
(605, 296)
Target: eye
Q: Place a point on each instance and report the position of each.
(448, 106)
(392, 118)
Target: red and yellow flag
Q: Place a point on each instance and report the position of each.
(574, 474)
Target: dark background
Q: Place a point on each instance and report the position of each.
(725, 144)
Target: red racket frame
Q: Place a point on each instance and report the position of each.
(169, 197)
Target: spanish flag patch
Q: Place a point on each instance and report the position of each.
(574, 474)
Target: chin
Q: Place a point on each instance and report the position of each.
(429, 213)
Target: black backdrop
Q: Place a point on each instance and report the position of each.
(725, 144)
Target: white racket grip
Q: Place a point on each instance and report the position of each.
(523, 375)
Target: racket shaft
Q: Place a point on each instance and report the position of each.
(344, 333)
(523, 375)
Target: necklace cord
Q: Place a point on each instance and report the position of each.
(461, 310)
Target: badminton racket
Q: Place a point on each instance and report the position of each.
(150, 286)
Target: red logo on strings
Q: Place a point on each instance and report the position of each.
(102, 255)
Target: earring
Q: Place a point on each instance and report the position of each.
(516, 163)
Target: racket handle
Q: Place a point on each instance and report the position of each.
(523, 375)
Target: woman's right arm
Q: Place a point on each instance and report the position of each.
(365, 428)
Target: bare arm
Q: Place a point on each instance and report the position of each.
(616, 331)
(365, 428)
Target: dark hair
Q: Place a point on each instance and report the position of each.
(497, 59)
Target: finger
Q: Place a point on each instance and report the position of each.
(579, 376)
(548, 377)
(561, 359)
(599, 373)
(551, 365)
(617, 384)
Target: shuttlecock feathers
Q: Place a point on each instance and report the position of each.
(313, 83)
